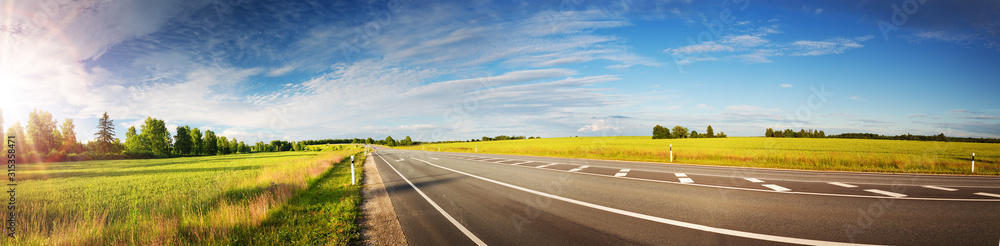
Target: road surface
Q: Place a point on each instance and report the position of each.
(467, 199)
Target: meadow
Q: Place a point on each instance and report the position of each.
(302, 197)
(828, 154)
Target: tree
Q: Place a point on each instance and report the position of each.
(234, 146)
(823, 134)
(769, 132)
(155, 134)
(224, 148)
(105, 133)
(182, 141)
(369, 141)
(3, 147)
(722, 135)
(694, 134)
(390, 142)
(709, 133)
(42, 132)
(196, 141)
(680, 132)
(406, 141)
(211, 144)
(660, 132)
(69, 143)
(133, 142)
(788, 133)
(17, 131)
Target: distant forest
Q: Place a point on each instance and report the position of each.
(940, 137)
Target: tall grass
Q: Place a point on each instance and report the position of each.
(193, 200)
(894, 156)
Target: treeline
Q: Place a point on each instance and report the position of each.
(789, 133)
(44, 140)
(660, 132)
(940, 137)
(505, 137)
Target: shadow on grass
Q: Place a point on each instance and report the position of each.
(89, 174)
(323, 214)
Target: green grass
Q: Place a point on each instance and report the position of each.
(891, 156)
(179, 201)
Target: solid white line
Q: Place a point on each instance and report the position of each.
(685, 180)
(986, 194)
(752, 235)
(546, 165)
(938, 188)
(446, 215)
(681, 175)
(842, 184)
(754, 180)
(892, 194)
(622, 173)
(777, 188)
(578, 169)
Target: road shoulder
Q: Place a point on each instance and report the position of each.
(379, 225)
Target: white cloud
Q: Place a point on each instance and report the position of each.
(280, 71)
(819, 11)
(856, 98)
(703, 106)
(786, 85)
(755, 47)
(598, 125)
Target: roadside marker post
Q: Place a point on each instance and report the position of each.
(671, 153)
(477, 148)
(973, 162)
(352, 171)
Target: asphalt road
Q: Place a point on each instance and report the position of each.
(467, 199)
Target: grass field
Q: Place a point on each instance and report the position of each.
(790, 153)
(246, 199)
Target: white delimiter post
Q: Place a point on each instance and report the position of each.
(973, 162)
(477, 148)
(671, 153)
(352, 171)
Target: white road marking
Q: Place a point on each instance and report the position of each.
(400, 159)
(938, 188)
(754, 180)
(519, 163)
(842, 184)
(622, 173)
(722, 231)
(683, 178)
(546, 165)
(986, 194)
(777, 188)
(892, 194)
(578, 169)
(446, 215)
(435, 158)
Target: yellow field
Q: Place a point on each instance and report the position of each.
(791, 153)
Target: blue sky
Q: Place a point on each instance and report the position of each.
(442, 70)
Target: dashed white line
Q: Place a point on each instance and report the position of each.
(986, 194)
(777, 188)
(546, 165)
(578, 169)
(622, 173)
(882, 192)
(723, 231)
(842, 184)
(519, 163)
(446, 215)
(938, 188)
(683, 178)
(754, 180)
